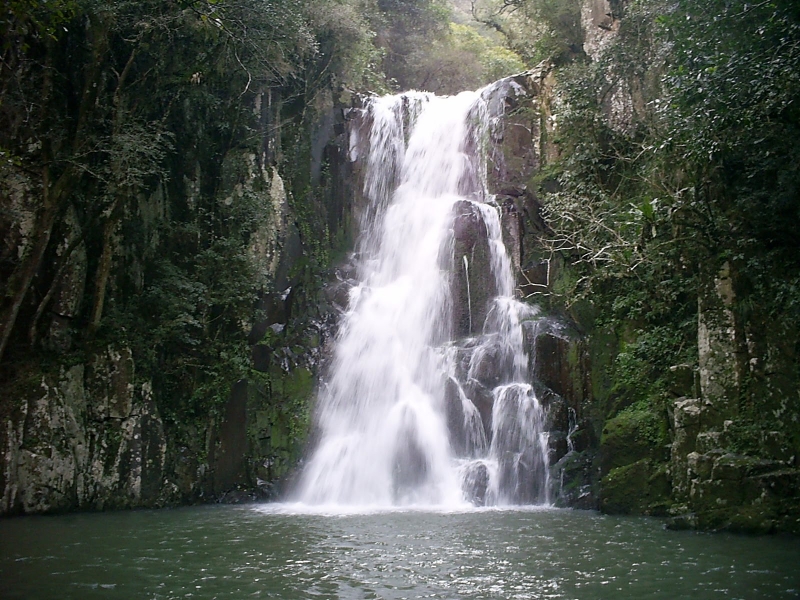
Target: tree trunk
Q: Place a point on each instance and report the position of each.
(103, 271)
(55, 195)
(20, 281)
(62, 266)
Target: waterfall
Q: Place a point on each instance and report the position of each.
(417, 408)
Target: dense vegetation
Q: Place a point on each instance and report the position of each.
(145, 145)
(122, 118)
(673, 194)
(167, 187)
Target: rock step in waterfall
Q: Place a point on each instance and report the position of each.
(428, 399)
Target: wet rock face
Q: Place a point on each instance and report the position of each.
(468, 226)
(514, 154)
(472, 285)
(490, 363)
(454, 414)
(62, 450)
(730, 471)
(477, 484)
(558, 362)
(485, 341)
(228, 465)
(410, 468)
(110, 385)
(68, 295)
(550, 362)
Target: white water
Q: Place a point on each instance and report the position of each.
(383, 411)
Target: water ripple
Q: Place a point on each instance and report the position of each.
(279, 552)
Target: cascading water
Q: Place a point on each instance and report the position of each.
(415, 409)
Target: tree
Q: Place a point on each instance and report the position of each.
(535, 29)
(89, 94)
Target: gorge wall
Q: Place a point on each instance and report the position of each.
(168, 347)
(701, 426)
(169, 210)
(121, 418)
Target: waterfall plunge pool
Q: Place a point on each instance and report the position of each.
(279, 551)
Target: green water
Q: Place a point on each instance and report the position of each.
(272, 552)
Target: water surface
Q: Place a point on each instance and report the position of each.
(273, 551)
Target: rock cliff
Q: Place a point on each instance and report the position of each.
(177, 397)
(117, 416)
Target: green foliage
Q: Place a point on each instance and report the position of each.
(462, 59)
(21, 18)
(644, 363)
(677, 155)
(347, 42)
(405, 28)
(535, 29)
(732, 118)
(160, 124)
(561, 34)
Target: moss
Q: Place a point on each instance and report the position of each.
(278, 417)
(603, 347)
(753, 519)
(576, 366)
(641, 488)
(634, 434)
(297, 385)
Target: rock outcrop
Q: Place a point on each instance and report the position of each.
(727, 474)
(100, 419)
(62, 450)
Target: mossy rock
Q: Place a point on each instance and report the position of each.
(641, 488)
(755, 518)
(278, 422)
(751, 519)
(603, 348)
(633, 435)
(741, 494)
(298, 385)
(577, 487)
